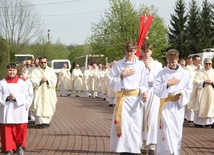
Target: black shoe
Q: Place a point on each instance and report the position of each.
(144, 151)
(77, 96)
(46, 125)
(207, 126)
(190, 121)
(212, 126)
(39, 126)
(69, 95)
(198, 126)
(151, 152)
(104, 99)
(89, 95)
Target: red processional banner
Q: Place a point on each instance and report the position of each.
(145, 23)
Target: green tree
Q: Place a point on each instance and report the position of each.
(177, 31)
(51, 51)
(207, 25)
(117, 27)
(121, 24)
(19, 23)
(78, 51)
(4, 57)
(193, 29)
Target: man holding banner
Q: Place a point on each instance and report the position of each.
(152, 105)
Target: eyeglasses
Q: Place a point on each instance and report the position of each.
(130, 51)
(207, 63)
(43, 62)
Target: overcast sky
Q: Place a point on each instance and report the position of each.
(70, 21)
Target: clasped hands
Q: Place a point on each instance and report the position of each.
(44, 79)
(11, 97)
(209, 82)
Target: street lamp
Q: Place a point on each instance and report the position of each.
(48, 35)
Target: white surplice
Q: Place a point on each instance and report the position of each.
(15, 112)
(152, 105)
(170, 135)
(131, 122)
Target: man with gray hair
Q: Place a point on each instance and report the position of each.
(203, 104)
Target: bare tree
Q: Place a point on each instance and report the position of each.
(19, 23)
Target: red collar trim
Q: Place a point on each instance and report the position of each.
(23, 78)
(12, 80)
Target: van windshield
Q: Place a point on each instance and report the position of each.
(59, 65)
(21, 59)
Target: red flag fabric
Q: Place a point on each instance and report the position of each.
(144, 27)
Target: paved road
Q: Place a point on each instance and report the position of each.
(81, 126)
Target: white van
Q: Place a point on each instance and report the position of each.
(20, 58)
(57, 64)
(207, 53)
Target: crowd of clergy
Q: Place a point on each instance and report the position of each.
(152, 124)
(200, 109)
(93, 81)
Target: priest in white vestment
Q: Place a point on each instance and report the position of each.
(111, 93)
(173, 86)
(104, 82)
(76, 77)
(192, 70)
(128, 79)
(85, 80)
(64, 81)
(44, 81)
(152, 106)
(93, 82)
(99, 80)
(204, 95)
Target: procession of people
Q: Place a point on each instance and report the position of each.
(150, 102)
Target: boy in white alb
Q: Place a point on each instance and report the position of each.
(173, 86)
(15, 99)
